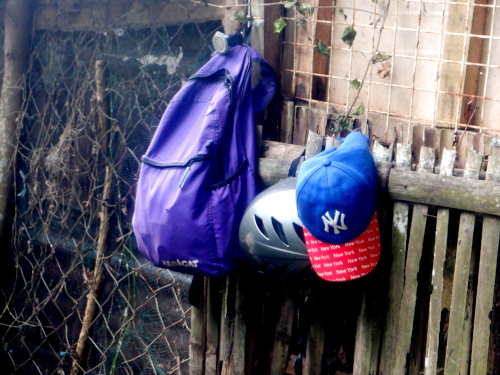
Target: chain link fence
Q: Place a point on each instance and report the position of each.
(55, 264)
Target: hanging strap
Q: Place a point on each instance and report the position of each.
(292, 171)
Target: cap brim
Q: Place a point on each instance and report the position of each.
(348, 261)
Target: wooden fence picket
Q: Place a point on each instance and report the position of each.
(368, 333)
(396, 279)
(440, 246)
(456, 327)
(413, 255)
(486, 279)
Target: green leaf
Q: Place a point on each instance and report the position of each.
(341, 12)
(306, 9)
(322, 48)
(289, 4)
(380, 56)
(239, 17)
(355, 84)
(279, 25)
(359, 109)
(349, 35)
(347, 123)
(338, 123)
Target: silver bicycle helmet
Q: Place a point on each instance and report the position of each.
(271, 233)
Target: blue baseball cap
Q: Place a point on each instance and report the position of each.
(337, 191)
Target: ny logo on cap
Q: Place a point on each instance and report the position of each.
(329, 222)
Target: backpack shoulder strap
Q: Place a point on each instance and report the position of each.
(266, 87)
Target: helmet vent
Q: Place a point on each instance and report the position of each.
(300, 232)
(260, 225)
(278, 228)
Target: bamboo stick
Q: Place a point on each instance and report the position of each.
(96, 275)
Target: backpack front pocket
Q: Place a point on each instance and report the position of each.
(173, 221)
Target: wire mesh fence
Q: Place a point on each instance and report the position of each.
(92, 103)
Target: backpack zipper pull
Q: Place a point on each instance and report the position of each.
(186, 171)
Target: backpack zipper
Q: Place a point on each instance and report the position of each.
(187, 165)
(217, 77)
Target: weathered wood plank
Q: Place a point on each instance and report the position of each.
(283, 334)
(368, 332)
(412, 266)
(397, 277)
(447, 141)
(417, 142)
(213, 324)
(440, 245)
(272, 171)
(427, 160)
(486, 280)
(314, 144)
(408, 300)
(472, 167)
(444, 191)
(452, 192)
(316, 335)
(473, 70)
(197, 341)
(227, 322)
(287, 120)
(279, 150)
(452, 75)
(460, 282)
(403, 156)
(459, 294)
(315, 344)
(382, 154)
(300, 127)
(316, 121)
(240, 328)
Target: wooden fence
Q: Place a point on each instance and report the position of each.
(428, 308)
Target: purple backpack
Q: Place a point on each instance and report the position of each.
(198, 175)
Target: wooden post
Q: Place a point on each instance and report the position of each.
(17, 43)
